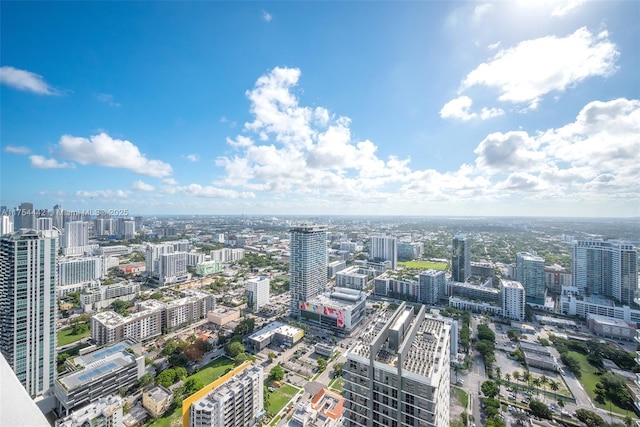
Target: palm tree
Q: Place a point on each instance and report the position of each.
(628, 421)
(554, 386)
(544, 381)
(507, 378)
(526, 378)
(536, 382)
(516, 376)
(498, 378)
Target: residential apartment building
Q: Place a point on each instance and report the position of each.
(530, 273)
(109, 327)
(606, 268)
(227, 254)
(397, 374)
(555, 277)
(102, 297)
(384, 248)
(513, 296)
(73, 271)
(341, 310)
(431, 284)
(172, 268)
(192, 307)
(234, 400)
(258, 292)
(409, 251)
(28, 308)
(307, 264)
(352, 278)
(460, 258)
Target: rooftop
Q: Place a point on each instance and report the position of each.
(98, 364)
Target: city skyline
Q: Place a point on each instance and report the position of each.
(420, 108)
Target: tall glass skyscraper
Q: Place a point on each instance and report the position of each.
(606, 268)
(28, 310)
(308, 264)
(461, 259)
(530, 273)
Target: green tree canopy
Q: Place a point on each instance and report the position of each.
(489, 389)
(234, 348)
(277, 373)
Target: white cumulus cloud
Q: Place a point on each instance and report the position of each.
(104, 150)
(460, 108)
(41, 162)
(266, 16)
(25, 80)
(534, 68)
(17, 150)
(142, 186)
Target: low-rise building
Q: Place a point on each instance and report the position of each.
(98, 374)
(157, 401)
(324, 350)
(95, 299)
(105, 411)
(538, 356)
(607, 327)
(222, 315)
(277, 333)
(324, 410)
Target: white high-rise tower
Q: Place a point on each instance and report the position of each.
(308, 264)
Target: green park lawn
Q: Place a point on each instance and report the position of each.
(207, 374)
(337, 385)
(423, 265)
(461, 396)
(65, 336)
(279, 397)
(589, 379)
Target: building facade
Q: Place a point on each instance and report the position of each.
(460, 259)
(307, 264)
(258, 292)
(513, 299)
(431, 282)
(234, 400)
(606, 268)
(28, 309)
(384, 248)
(530, 273)
(398, 372)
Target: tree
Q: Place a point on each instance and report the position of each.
(277, 373)
(245, 326)
(485, 333)
(539, 409)
(322, 364)
(489, 389)
(180, 373)
(516, 376)
(192, 385)
(170, 347)
(590, 418)
(271, 356)
(234, 348)
(512, 334)
(166, 378)
(507, 378)
(337, 369)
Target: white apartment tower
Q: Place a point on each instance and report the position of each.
(258, 292)
(28, 309)
(398, 372)
(606, 268)
(307, 264)
(530, 273)
(234, 401)
(6, 223)
(384, 248)
(432, 283)
(513, 299)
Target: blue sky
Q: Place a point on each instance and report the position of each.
(402, 108)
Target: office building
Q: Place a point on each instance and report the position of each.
(530, 273)
(98, 374)
(258, 292)
(24, 217)
(384, 248)
(460, 259)
(57, 217)
(44, 224)
(431, 283)
(106, 411)
(307, 264)
(28, 309)
(606, 268)
(234, 400)
(398, 372)
(276, 333)
(513, 297)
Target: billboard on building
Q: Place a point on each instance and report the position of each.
(334, 313)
